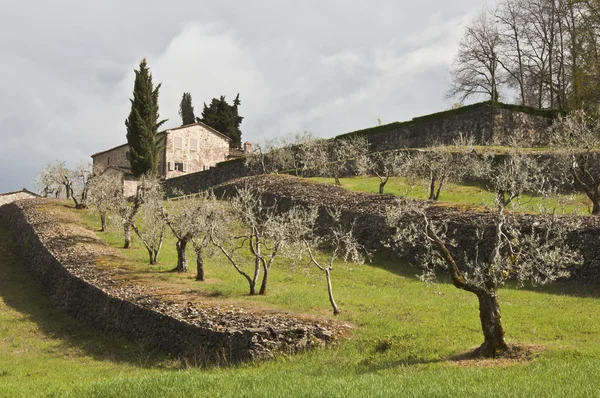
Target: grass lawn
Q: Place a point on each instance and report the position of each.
(404, 337)
(468, 194)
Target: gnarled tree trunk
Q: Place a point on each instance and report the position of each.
(103, 221)
(182, 264)
(265, 279)
(491, 324)
(127, 234)
(199, 266)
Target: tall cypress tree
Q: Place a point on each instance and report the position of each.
(142, 124)
(186, 110)
(224, 118)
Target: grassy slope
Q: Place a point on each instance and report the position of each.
(42, 350)
(404, 334)
(459, 194)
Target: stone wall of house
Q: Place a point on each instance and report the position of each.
(70, 278)
(14, 196)
(203, 180)
(193, 148)
(486, 124)
(368, 212)
(116, 157)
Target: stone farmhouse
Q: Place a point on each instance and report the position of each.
(184, 150)
(10, 197)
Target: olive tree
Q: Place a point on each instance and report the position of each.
(337, 239)
(75, 181)
(264, 232)
(104, 189)
(329, 158)
(504, 248)
(193, 219)
(148, 222)
(143, 214)
(384, 165)
(439, 165)
(579, 136)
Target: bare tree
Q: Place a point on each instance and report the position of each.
(266, 231)
(331, 157)
(104, 189)
(261, 160)
(384, 165)
(148, 223)
(193, 219)
(299, 146)
(75, 181)
(475, 71)
(579, 136)
(338, 239)
(505, 249)
(441, 164)
(512, 26)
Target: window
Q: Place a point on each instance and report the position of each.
(179, 166)
(127, 155)
(178, 143)
(108, 161)
(193, 145)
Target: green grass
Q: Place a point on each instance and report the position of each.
(473, 195)
(404, 336)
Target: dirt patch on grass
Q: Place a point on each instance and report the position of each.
(515, 354)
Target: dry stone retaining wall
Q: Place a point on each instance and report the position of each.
(368, 211)
(75, 285)
(487, 124)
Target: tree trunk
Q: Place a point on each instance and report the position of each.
(127, 233)
(596, 207)
(265, 279)
(337, 180)
(252, 287)
(103, 222)
(336, 310)
(199, 267)
(381, 186)
(151, 256)
(432, 189)
(182, 264)
(491, 324)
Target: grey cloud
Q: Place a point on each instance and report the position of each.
(323, 66)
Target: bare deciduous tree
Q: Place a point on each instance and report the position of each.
(475, 71)
(505, 249)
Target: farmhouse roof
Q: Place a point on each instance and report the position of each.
(167, 131)
(25, 190)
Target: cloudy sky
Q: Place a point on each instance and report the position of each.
(328, 66)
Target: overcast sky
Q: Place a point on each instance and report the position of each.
(328, 66)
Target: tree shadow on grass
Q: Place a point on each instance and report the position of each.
(389, 261)
(21, 293)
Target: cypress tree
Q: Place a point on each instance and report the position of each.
(224, 118)
(142, 124)
(186, 110)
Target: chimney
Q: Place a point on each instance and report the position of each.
(247, 148)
